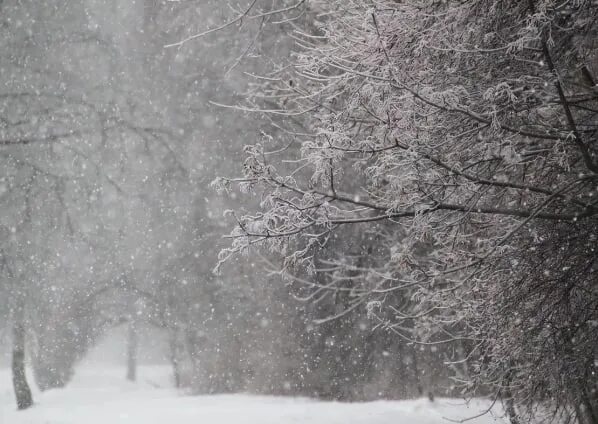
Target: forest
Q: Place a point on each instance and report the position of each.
(343, 200)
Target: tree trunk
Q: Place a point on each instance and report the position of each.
(175, 353)
(19, 379)
(401, 376)
(199, 384)
(132, 345)
(588, 408)
(418, 384)
(509, 403)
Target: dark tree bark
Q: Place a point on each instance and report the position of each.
(509, 402)
(588, 408)
(19, 379)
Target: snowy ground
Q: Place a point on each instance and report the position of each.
(99, 395)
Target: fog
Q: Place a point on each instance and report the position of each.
(111, 229)
(333, 200)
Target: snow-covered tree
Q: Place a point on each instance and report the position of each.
(461, 136)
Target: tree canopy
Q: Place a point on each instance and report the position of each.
(459, 138)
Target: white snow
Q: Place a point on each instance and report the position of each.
(100, 395)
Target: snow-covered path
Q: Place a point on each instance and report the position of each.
(101, 396)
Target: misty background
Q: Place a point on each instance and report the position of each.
(110, 230)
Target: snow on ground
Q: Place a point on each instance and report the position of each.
(100, 395)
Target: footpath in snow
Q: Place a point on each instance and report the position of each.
(101, 396)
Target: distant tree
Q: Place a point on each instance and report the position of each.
(77, 148)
